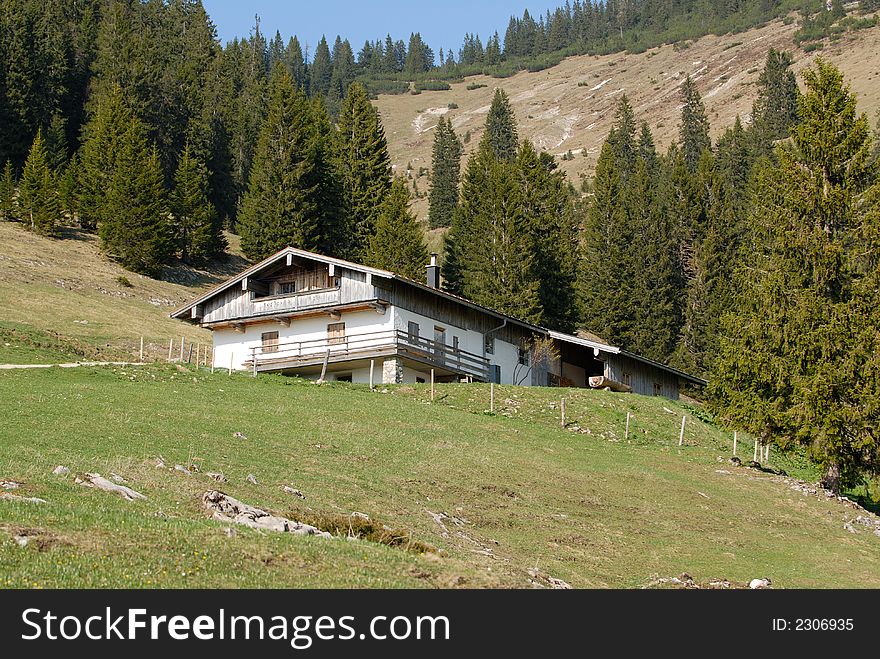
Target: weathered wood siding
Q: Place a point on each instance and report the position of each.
(641, 376)
(235, 303)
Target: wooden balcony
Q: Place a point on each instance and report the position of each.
(418, 352)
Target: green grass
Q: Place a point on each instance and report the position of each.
(592, 509)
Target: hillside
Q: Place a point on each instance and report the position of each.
(505, 500)
(61, 300)
(570, 107)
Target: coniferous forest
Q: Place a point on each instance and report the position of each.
(753, 259)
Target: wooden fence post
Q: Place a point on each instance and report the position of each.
(755, 458)
(562, 413)
(254, 360)
(182, 341)
(626, 434)
(231, 355)
(142, 350)
(170, 348)
(734, 442)
(767, 454)
(213, 359)
(432, 385)
(372, 366)
(492, 397)
(681, 434)
(324, 367)
(189, 355)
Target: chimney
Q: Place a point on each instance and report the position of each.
(433, 272)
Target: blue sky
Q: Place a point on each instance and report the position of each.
(442, 23)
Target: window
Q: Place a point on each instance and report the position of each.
(658, 389)
(335, 333)
(489, 345)
(455, 343)
(286, 288)
(627, 379)
(523, 356)
(412, 330)
(269, 341)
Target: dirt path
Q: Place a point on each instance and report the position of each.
(7, 367)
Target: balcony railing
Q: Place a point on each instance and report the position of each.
(289, 353)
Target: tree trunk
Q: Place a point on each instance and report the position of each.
(831, 480)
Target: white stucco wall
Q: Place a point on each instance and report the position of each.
(506, 354)
(237, 347)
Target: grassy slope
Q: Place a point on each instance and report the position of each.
(593, 509)
(571, 106)
(49, 287)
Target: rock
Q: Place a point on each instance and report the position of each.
(735, 461)
(558, 584)
(61, 470)
(217, 476)
(362, 516)
(20, 540)
(160, 464)
(251, 479)
(238, 435)
(9, 485)
(293, 491)
(753, 465)
(756, 584)
(98, 481)
(231, 532)
(182, 470)
(849, 527)
(117, 478)
(228, 509)
(5, 496)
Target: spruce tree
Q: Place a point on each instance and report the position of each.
(281, 207)
(445, 175)
(694, 128)
(136, 230)
(38, 191)
(501, 128)
(321, 70)
(398, 244)
(364, 168)
(102, 138)
(776, 108)
(329, 193)
(56, 143)
(798, 359)
(197, 231)
(606, 272)
(493, 256)
(553, 229)
(7, 193)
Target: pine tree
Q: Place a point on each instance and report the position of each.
(657, 285)
(798, 360)
(321, 69)
(398, 244)
(501, 130)
(364, 168)
(7, 194)
(329, 191)
(38, 191)
(694, 129)
(491, 261)
(281, 207)
(776, 108)
(606, 273)
(445, 175)
(136, 230)
(553, 229)
(197, 230)
(102, 138)
(56, 143)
